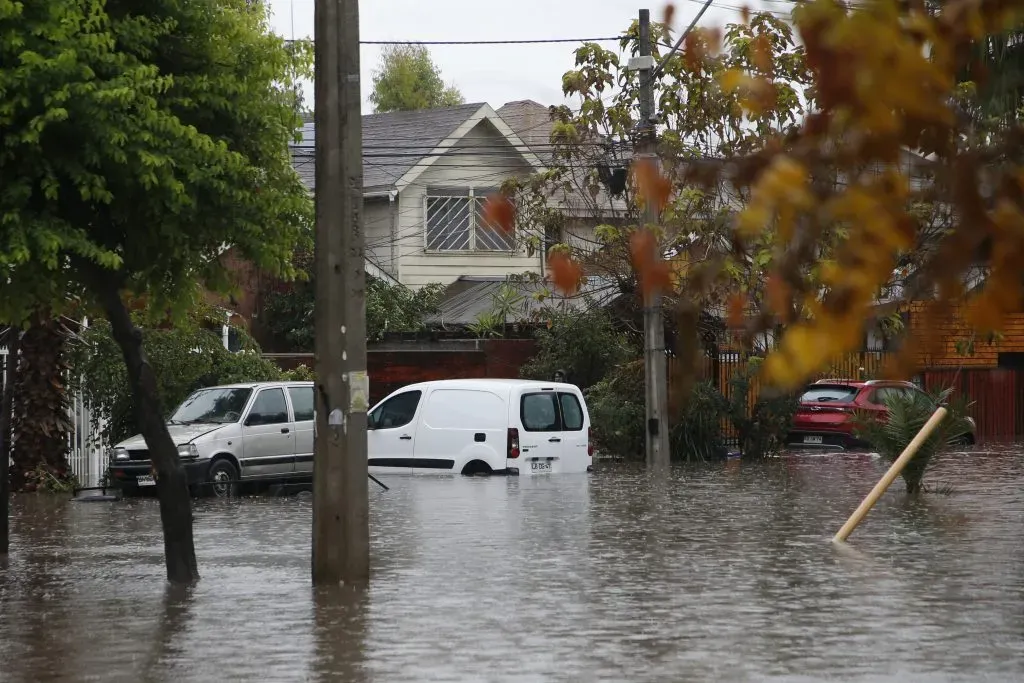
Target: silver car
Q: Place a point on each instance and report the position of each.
(227, 435)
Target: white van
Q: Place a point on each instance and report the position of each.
(481, 426)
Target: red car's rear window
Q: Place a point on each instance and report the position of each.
(829, 393)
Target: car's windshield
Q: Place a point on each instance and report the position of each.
(217, 406)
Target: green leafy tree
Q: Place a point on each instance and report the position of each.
(138, 141)
(288, 307)
(906, 416)
(407, 79)
(698, 121)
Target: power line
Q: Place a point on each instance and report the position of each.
(535, 41)
(661, 64)
(493, 42)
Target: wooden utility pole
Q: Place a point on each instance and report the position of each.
(6, 406)
(655, 362)
(341, 534)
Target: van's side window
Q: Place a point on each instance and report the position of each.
(572, 413)
(539, 412)
(397, 411)
(302, 403)
(269, 408)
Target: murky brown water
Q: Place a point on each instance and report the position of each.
(722, 574)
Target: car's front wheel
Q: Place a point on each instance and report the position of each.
(222, 479)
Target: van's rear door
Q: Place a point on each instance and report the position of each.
(541, 437)
(574, 432)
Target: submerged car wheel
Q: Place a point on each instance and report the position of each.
(222, 479)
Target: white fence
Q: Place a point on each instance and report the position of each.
(86, 451)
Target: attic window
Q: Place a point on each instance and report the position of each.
(456, 222)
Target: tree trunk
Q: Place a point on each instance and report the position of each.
(41, 422)
(6, 406)
(171, 483)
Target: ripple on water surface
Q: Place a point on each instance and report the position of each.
(723, 572)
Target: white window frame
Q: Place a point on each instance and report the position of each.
(475, 197)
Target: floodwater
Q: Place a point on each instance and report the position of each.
(722, 573)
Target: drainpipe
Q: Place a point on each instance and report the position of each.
(394, 267)
(225, 331)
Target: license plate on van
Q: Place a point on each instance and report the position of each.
(812, 439)
(540, 466)
(146, 480)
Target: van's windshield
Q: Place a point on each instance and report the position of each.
(212, 406)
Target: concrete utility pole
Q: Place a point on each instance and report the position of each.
(655, 363)
(341, 532)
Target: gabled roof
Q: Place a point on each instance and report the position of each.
(533, 124)
(398, 146)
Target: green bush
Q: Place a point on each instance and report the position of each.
(697, 429)
(618, 416)
(617, 412)
(761, 428)
(245, 366)
(587, 345)
(907, 414)
(301, 373)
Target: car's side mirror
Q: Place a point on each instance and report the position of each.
(253, 419)
(371, 423)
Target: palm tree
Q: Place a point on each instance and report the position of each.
(41, 423)
(907, 414)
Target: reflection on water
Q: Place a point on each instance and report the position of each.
(723, 572)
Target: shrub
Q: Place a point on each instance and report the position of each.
(300, 373)
(697, 429)
(587, 345)
(617, 411)
(618, 416)
(907, 414)
(761, 427)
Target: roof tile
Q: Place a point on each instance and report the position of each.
(393, 143)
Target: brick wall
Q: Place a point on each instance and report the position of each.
(245, 301)
(940, 334)
(394, 365)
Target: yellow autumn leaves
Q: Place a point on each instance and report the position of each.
(782, 190)
(884, 79)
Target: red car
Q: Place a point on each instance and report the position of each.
(827, 409)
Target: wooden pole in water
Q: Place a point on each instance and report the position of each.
(894, 471)
(341, 532)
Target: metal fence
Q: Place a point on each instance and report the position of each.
(85, 449)
(996, 394)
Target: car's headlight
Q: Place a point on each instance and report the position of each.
(118, 454)
(188, 451)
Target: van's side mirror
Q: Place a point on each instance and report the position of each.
(371, 423)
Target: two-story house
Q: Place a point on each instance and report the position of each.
(426, 177)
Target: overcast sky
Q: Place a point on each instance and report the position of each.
(498, 73)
